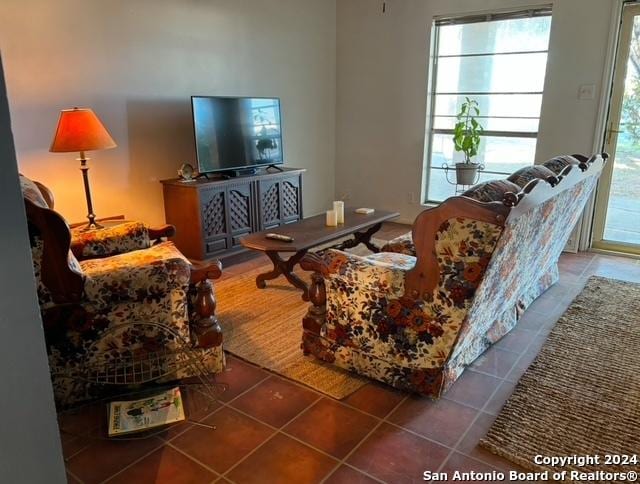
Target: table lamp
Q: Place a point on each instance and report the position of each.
(79, 129)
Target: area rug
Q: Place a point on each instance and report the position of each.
(581, 396)
(264, 327)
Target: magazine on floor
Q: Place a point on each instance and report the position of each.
(146, 413)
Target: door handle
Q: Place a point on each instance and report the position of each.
(610, 133)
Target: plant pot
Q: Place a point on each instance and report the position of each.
(466, 173)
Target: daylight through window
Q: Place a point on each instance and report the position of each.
(500, 61)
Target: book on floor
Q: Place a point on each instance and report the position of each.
(145, 413)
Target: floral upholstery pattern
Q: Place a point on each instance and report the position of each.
(488, 276)
(401, 245)
(135, 276)
(525, 175)
(31, 192)
(121, 238)
(491, 191)
(150, 285)
(374, 325)
(397, 260)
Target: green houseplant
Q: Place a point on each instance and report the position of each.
(466, 139)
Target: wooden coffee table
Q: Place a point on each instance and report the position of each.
(309, 233)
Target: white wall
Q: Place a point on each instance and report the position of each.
(30, 450)
(382, 72)
(136, 64)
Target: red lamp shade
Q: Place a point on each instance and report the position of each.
(79, 129)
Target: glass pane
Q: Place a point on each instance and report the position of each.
(492, 124)
(623, 210)
(515, 105)
(440, 189)
(527, 34)
(493, 73)
(622, 222)
(498, 154)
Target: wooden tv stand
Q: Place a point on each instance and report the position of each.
(212, 215)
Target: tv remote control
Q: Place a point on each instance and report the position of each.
(284, 238)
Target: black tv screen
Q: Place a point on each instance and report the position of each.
(236, 132)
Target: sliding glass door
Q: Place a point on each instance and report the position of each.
(617, 217)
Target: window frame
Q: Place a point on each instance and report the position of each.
(430, 130)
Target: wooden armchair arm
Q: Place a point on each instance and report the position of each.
(63, 281)
(201, 270)
(203, 323)
(162, 231)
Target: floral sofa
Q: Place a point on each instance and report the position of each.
(93, 284)
(415, 315)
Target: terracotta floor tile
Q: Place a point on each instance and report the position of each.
(73, 444)
(574, 263)
(477, 431)
(472, 389)
(516, 340)
(522, 364)
(71, 479)
(348, 475)
(283, 460)
(331, 427)
(499, 398)
(396, 456)
(80, 421)
(614, 267)
(163, 466)
(390, 453)
(240, 376)
(496, 362)
(103, 458)
(443, 420)
(546, 303)
(463, 464)
(469, 445)
(375, 398)
(275, 401)
(235, 436)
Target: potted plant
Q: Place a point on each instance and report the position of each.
(466, 138)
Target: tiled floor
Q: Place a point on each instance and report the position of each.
(269, 429)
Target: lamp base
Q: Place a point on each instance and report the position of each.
(90, 226)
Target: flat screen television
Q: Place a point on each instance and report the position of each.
(236, 133)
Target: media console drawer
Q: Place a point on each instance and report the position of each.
(212, 215)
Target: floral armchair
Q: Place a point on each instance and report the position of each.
(91, 282)
(416, 318)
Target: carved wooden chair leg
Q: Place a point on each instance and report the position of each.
(316, 315)
(204, 325)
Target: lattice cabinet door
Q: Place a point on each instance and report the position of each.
(241, 215)
(270, 206)
(214, 210)
(291, 199)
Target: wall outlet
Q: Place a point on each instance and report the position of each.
(413, 198)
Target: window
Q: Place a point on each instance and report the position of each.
(500, 61)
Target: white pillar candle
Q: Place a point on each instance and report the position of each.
(338, 207)
(332, 218)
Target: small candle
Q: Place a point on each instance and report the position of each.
(338, 207)
(332, 218)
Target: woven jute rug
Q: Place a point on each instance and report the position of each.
(264, 327)
(581, 396)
